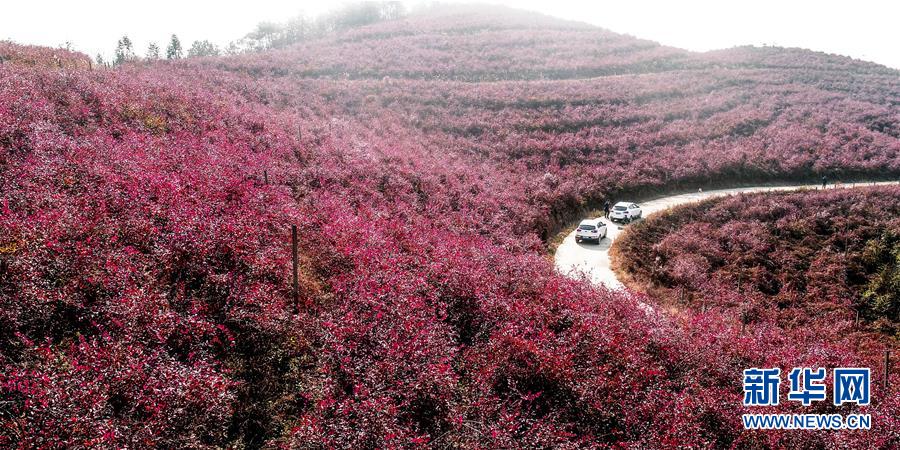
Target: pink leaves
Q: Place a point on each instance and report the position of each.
(14, 54)
(689, 269)
(429, 313)
(133, 244)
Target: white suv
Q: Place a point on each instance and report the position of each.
(590, 230)
(625, 211)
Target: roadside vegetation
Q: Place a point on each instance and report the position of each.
(807, 259)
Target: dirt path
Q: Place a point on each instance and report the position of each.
(575, 259)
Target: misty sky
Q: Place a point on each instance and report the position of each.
(864, 29)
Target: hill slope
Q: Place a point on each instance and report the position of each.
(806, 256)
(147, 267)
(520, 92)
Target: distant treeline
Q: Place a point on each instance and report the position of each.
(267, 35)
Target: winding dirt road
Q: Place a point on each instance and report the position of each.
(590, 260)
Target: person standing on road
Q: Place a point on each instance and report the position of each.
(606, 209)
(824, 181)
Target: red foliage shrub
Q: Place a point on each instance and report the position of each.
(146, 265)
(137, 246)
(801, 256)
(30, 55)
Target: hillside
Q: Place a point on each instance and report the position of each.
(800, 260)
(146, 248)
(526, 103)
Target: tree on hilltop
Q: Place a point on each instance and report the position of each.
(173, 51)
(124, 51)
(152, 52)
(203, 48)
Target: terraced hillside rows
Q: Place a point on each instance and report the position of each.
(146, 259)
(742, 115)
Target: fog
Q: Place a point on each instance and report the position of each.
(863, 29)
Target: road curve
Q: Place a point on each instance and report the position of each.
(591, 261)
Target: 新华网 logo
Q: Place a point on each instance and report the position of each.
(851, 385)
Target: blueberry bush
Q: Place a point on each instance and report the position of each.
(145, 250)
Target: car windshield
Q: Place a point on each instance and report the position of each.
(620, 208)
(588, 227)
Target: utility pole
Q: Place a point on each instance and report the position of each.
(296, 268)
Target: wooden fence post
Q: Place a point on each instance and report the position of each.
(295, 265)
(887, 370)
